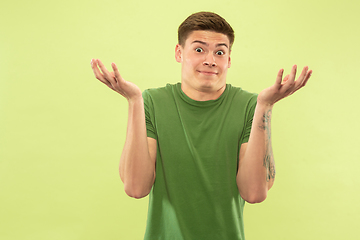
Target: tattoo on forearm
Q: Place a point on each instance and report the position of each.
(266, 120)
(268, 163)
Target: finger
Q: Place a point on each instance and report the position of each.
(289, 84)
(112, 74)
(98, 74)
(303, 73)
(105, 72)
(304, 81)
(293, 73)
(95, 68)
(302, 76)
(299, 82)
(308, 75)
(110, 79)
(117, 73)
(279, 77)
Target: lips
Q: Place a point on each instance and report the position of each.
(208, 73)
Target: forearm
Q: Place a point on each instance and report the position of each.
(256, 167)
(137, 162)
(137, 170)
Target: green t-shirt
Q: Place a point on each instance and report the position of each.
(195, 195)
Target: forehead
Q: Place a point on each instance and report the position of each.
(209, 37)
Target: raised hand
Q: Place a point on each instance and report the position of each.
(284, 87)
(114, 81)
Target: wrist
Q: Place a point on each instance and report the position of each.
(264, 105)
(135, 100)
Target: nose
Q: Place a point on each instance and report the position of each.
(209, 60)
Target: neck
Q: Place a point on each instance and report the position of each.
(202, 95)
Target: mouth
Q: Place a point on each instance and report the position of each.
(208, 73)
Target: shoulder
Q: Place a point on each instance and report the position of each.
(241, 95)
(162, 97)
(161, 92)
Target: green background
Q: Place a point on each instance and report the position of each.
(62, 131)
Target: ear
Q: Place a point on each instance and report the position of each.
(178, 53)
(229, 63)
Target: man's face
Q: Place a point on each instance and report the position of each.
(205, 58)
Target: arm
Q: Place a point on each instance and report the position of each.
(256, 172)
(137, 162)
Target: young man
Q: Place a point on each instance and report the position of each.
(201, 147)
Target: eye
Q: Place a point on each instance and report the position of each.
(199, 49)
(220, 52)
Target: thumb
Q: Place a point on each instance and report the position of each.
(286, 78)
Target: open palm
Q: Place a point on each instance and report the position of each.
(114, 81)
(284, 87)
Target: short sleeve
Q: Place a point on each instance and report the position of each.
(249, 115)
(149, 115)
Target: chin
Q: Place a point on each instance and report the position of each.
(210, 85)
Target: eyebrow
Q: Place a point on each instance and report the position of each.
(206, 44)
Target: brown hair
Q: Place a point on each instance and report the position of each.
(207, 21)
